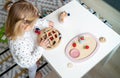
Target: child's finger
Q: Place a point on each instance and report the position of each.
(47, 42)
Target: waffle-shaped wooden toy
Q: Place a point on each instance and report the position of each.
(53, 36)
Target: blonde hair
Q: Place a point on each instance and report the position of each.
(21, 12)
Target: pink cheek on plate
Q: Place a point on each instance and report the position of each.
(74, 53)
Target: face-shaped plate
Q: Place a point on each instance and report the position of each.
(81, 47)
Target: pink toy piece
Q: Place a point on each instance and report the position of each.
(74, 53)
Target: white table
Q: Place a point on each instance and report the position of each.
(79, 21)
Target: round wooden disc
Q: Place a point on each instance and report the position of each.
(102, 39)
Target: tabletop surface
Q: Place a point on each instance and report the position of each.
(79, 21)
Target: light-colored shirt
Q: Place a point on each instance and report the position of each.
(24, 49)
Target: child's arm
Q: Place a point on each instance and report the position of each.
(43, 23)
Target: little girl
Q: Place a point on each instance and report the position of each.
(21, 23)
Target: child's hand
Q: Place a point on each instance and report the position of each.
(51, 24)
(44, 43)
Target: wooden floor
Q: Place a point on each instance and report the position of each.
(112, 68)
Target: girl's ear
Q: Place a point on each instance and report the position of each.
(25, 27)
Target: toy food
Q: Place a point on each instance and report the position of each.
(81, 47)
(53, 36)
(63, 15)
(102, 39)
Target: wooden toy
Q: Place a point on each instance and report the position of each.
(63, 15)
(69, 65)
(53, 36)
(102, 39)
(81, 39)
(77, 51)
